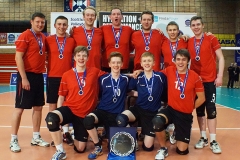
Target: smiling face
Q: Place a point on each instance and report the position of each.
(173, 32)
(115, 64)
(38, 24)
(89, 17)
(81, 58)
(116, 17)
(146, 21)
(61, 26)
(197, 27)
(181, 63)
(147, 62)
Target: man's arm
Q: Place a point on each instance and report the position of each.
(200, 99)
(21, 70)
(60, 101)
(218, 81)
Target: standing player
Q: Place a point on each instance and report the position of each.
(204, 51)
(78, 94)
(147, 40)
(236, 75)
(116, 38)
(60, 49)
(151, 87)
(183, 86)
(171, 45)
(113, 87)
(90, 37)
(30, 60)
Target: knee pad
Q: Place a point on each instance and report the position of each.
(89, 122)
(211, 112)
(182, 152)
(75, 149)
(122, 120)
(147, 149)
(53, 122)
(158, 123)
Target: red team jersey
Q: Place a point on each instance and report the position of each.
(109, 44)
(206, 66)
(94, 59)
(167, 52)
(27, 43)
(193, 85)
(155, 45)
(57, 66)
(80, 105)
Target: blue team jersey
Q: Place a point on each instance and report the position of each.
(107, 93)
(159, 90)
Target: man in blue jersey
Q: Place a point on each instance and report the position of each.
(113, 89)
(151, 88)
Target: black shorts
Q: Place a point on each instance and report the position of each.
(236, 77)
(107, 119)
(26, 99)
(182, 122)
(145, 117)
(210, 96)
(53, 84)
(80, 133)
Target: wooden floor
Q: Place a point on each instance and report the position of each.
(228, 135)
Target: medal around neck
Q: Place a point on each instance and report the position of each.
(197, 58)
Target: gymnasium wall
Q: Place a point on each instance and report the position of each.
(220, 16)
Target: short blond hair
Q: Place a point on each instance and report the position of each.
(90, 7)
(147, 54)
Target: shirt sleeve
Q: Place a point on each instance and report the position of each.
(22, 43)
(132, 84)
(198, 85)
(215, 44)
(63, 88)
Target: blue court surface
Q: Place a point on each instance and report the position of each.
(225, 97)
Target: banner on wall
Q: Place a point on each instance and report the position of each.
(226, 40)
(161, 19)
(74, 19)
(77, 5)
(237, 52)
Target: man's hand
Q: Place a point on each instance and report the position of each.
(25, 84)
(218, 81)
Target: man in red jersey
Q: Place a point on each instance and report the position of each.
(204, 51)
(77, 98)
(90, 37)
(183, 86)
(116, 38)
(60, 49)
(30, 60)
(171, 45)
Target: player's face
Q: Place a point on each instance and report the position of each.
(197, 27)
(172, 31)
(116, 17)
(147, 63)
(89, 17)
(181, 63)
(61, 26)
(115, 64)
(81, 59)
(146, 22)
(38, 24)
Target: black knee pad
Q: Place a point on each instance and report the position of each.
(211, 112)
(122, 120)
(75, 149)
(53, 122)
(89, 122)
(158, 123)
(147, 149)
(182, 152)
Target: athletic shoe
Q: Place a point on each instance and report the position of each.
(39, 142)
(95, 153)
(162, 153)
(14, 146)
(214, 146)
(172, 138)
(52, 144)
(68, 138)
(201, 143)
(59, 155)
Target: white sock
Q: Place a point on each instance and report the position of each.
(60, 147)
(212, 137)
(65, 129)
(203, 134)
(13, 137)
(36, 135)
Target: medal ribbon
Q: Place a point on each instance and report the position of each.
(197, 49)
(182, 88)
(113, 87)
(117, 38)
(149, 88)
(89, 39)
(61, 47)
(172, 50)
(147, 42)
(78, 79)
(39, 40)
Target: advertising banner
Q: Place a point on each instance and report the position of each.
(237, 52)
(77, 5)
